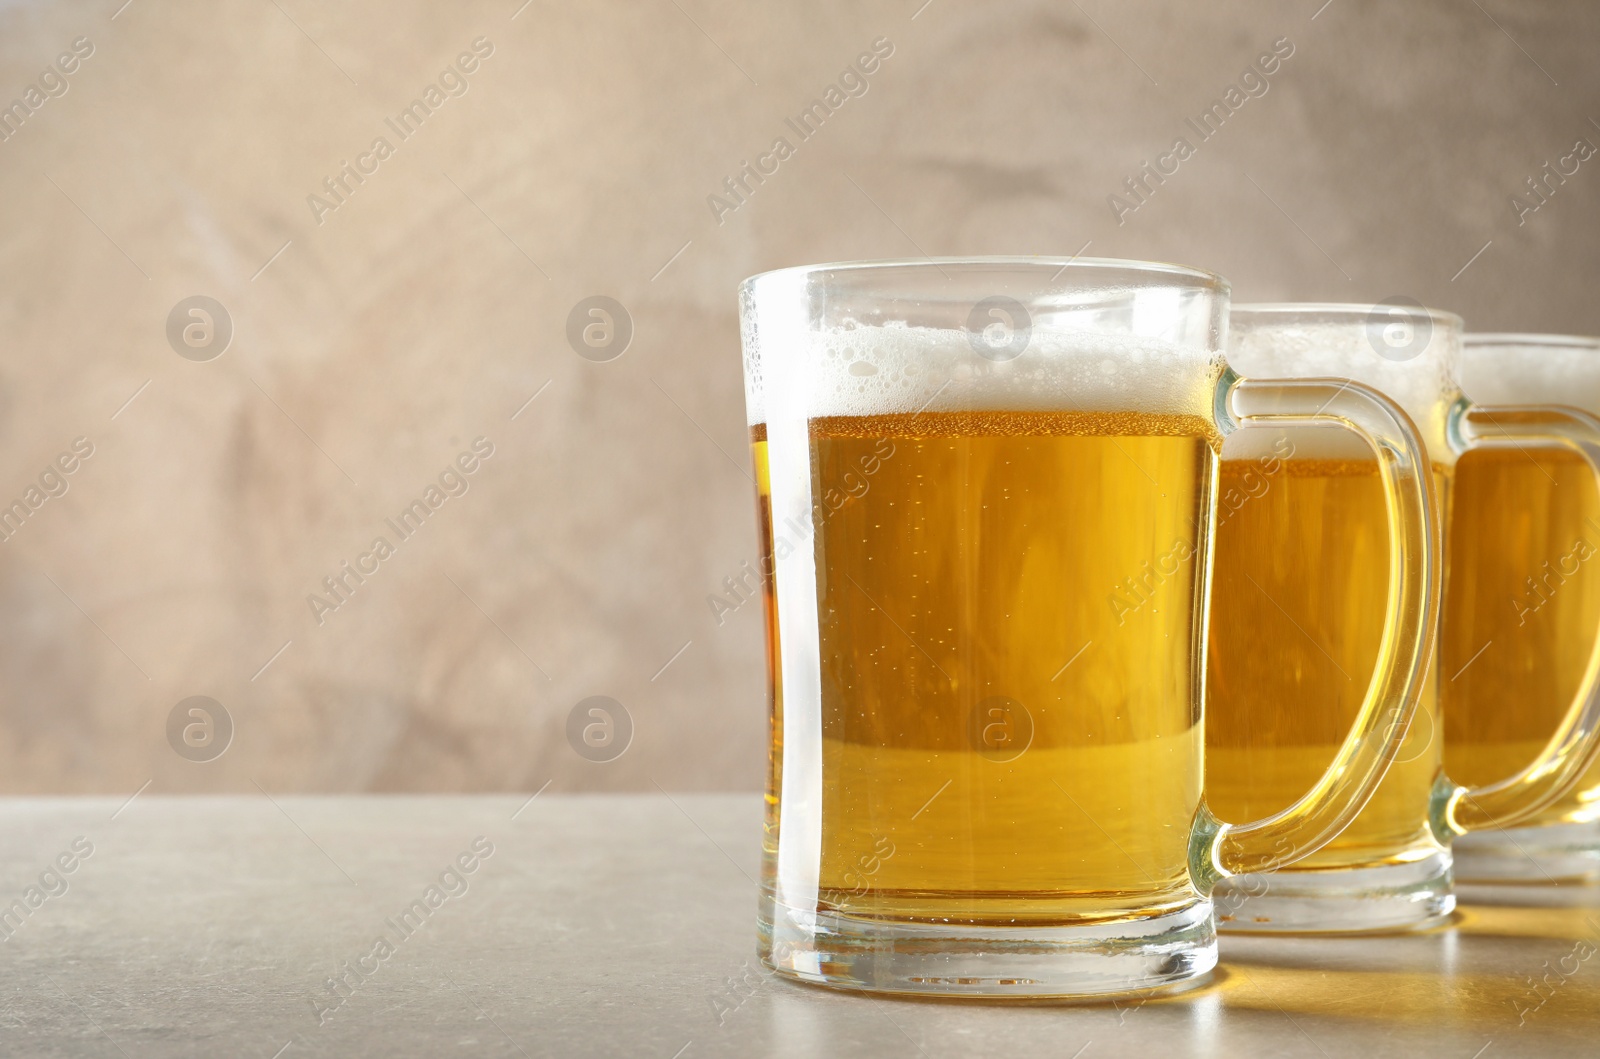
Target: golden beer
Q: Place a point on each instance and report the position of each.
(1521, 609)
(1008, 621)
(1300, 580)
(987, 492)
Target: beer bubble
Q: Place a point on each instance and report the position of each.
(599, 728)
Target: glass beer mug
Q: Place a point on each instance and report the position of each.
(1300, 590)
(987, 499)
(1523, 588)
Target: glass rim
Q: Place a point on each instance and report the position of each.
(1531, 338)
(1356, 311)
(1196, 276)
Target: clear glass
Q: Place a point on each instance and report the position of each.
(1301, 585)
(987, 498)
(1525, 525)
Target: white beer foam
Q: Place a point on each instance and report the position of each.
(895, 368)
(1535, 370)
(1263, 347)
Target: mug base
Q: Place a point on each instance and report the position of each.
(1410, 896)
(933, 959)
(1551, 854)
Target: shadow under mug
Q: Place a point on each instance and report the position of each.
(987, 496)
(1300, 586)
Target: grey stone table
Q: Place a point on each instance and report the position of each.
(612, 925)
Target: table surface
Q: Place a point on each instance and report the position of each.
(624, 925)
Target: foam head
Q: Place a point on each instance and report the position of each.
(895, 368)
(1408, 353)
(1532, 369)
(981, 335)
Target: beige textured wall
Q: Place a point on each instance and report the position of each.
(429, 306)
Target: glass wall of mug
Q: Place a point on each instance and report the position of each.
(987, 490)
(1523, 605)
(1300, 586)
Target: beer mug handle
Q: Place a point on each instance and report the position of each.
(1410, 624)
(1573, 747)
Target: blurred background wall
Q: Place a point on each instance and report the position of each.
(422, 299)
